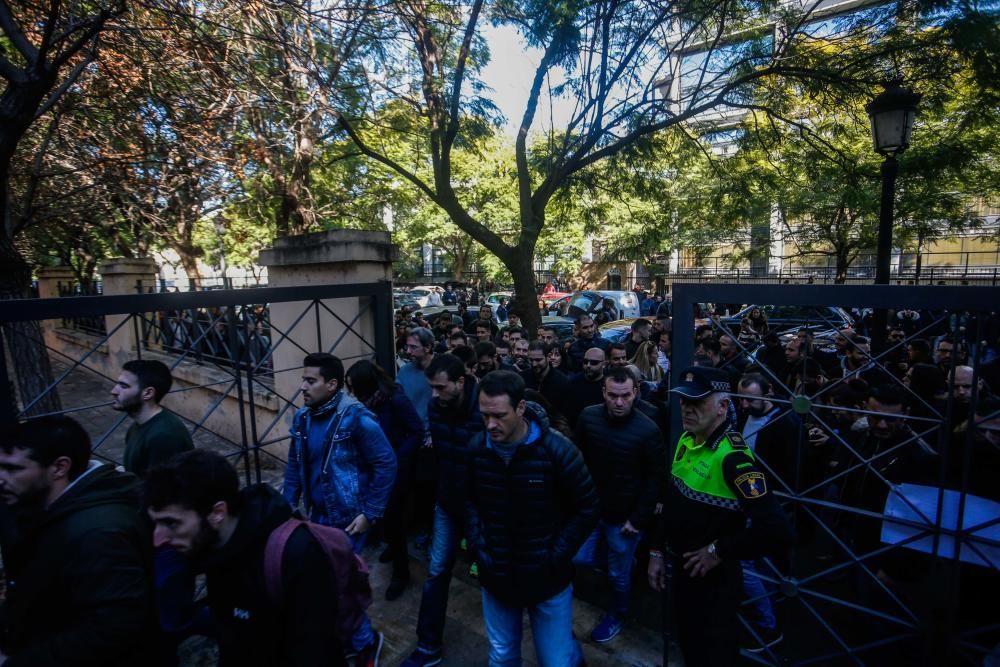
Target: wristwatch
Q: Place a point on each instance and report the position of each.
(711, 550)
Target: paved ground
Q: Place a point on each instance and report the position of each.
(465, 633)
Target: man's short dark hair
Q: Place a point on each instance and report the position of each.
(551, 330)
(151, 373)
(846, 395)
(503, 383)
(483, 324)
(330, 367)
(517, 330)
(485, 348)
(45, 439)
(511, 311)
(757, 379)
(195, 480)
(446, 363)
(456, 335)
(711, 345)
(580, 318)
(921, 345)
(466, 354)
(640, 323)
(619, 375)
(616, 346)
(536, 345)
(702, 328)
(888, 395)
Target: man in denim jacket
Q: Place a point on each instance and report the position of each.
(340, 465)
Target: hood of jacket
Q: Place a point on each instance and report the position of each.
(264, 509)
(103, 485)
(533, 412)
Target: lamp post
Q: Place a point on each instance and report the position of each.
(891, 114)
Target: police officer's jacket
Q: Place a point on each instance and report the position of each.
(713, 488)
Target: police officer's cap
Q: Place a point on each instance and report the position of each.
(700, 381)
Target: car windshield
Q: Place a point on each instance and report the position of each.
(419, 292)
(582, 302)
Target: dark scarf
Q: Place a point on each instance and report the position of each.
(328, 407)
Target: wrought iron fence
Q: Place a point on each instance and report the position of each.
(221, 346)
(889, 474)
(89, 324)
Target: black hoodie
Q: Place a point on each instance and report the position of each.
(79, 579)
(252, 630)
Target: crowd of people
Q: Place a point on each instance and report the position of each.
(535, 454)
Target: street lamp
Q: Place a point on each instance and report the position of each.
(891, 115)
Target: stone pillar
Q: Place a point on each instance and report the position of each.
(336, 257)
(49, 279)
(125, 276)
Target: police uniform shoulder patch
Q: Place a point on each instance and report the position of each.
(736, 440)
(751, 485)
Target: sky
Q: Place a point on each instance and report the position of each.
(509, 73)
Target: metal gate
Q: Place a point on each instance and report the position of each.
(913, 578)
(234, 354)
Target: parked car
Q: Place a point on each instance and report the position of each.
(619, 330)
(783, 318)
(591, 301)
(421, 292)
(562, 325)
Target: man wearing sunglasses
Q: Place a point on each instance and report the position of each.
(586, 388)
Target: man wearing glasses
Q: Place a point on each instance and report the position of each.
(586, 388)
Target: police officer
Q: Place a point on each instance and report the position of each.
(715, 486)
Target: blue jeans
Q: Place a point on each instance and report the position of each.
(753, 587)
(434, 601)
(551, 628)
(607, 546)
(364, 635)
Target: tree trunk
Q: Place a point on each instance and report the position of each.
(189, 260)
(27, 357)
(842, 263)
(919, 262)
(522, 269)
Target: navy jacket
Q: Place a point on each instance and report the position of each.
(526, 519)
(452, 428)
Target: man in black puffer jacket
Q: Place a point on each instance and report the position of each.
(531, 504)
(198, 509)
(76, 553)
(454, 420)
(624, 452)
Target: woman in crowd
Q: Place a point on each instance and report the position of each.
(646, 360)
(556, 355)
(758, 321)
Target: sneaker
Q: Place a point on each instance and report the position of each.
(607, 629)
(369, 655)
(768, 638)
(474, 570)
(422, 659)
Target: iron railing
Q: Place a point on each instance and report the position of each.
(845, 597)
(221, 341)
